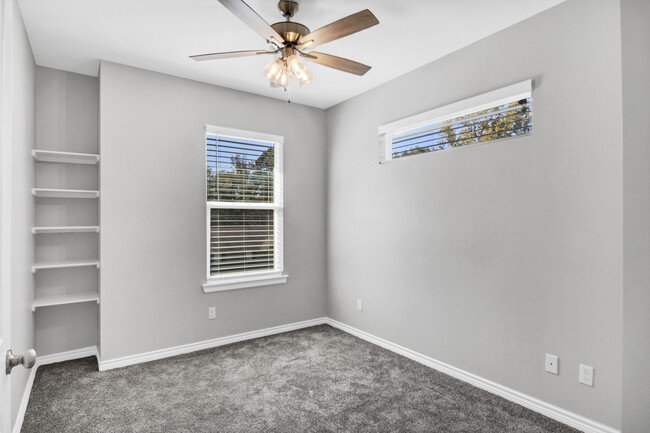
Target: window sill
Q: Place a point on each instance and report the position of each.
(243, 282)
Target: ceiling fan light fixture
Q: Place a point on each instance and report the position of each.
(282, 80)
(280, 71)
(306, 79)
(273, 69)
(296, 67)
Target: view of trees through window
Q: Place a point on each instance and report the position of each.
(240, 171)
(504, 121)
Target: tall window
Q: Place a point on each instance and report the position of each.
(244, 209)
(502, 113)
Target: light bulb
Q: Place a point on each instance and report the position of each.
(273, 69)
(306, 79)
(297, 69)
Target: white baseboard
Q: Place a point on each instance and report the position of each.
(84, 352)
(554, 412)
(20, 417)
(207, 344)
(44, 360)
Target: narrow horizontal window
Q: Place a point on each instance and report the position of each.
(504, 121)
(504, 113)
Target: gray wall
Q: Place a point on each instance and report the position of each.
(66, 120)
(23, 140)
(152, 130)
(67, 105)
(635, 15)
(488, 257)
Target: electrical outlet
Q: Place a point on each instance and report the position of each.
(359, 305)
(212, 313)
(552, 364)
(586, 376)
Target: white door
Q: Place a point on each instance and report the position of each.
(5, 287)
(5, 317)
(5, 298)
(6, 27)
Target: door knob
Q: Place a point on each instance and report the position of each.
(27, 359)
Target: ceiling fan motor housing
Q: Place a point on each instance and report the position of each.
(290, 31)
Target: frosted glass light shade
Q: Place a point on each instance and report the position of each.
(297, 68)
(282, 80)
(273, 69)
(306, 79)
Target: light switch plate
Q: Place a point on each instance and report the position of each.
(552, 363)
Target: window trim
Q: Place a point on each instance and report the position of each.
(244, 280)
(456, 109)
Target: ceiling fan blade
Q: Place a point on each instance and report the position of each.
(335, 62)
(253, 20)
(338, 29)
(228, 55)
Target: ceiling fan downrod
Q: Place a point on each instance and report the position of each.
(288, 8)
(290, 31)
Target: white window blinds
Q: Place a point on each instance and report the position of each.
(244, 206)
(239, 169)
(241, 240)
(503, 113)
(503, 121)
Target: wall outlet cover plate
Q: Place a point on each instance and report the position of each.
(586, 376)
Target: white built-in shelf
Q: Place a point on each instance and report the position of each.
(73, 298)
(64, 193)
(64, 264)
(64, 157)
(68, 229)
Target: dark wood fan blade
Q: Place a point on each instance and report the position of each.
(253, 20)
(339, 63)
(228, 55)
(339, 29)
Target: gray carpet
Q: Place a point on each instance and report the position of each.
(313, 380)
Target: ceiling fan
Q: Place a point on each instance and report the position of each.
(290, 39)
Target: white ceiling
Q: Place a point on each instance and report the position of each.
(159, 35)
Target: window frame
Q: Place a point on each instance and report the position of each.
(481, 102)
(242, 280)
